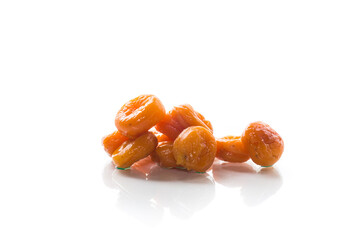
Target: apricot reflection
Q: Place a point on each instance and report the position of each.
(256, 184)
(146, 191)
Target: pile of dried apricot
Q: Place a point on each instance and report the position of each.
(183, 138)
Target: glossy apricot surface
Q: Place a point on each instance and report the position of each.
(163, 155)
(264, 144)
(231, 149)
(139, 115)
(195, 149)
(112, 141)
(179, 118)
(134, 150)
(160, 136)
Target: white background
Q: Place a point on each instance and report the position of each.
(66, 67)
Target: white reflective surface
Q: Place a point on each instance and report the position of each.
(66, 67)
(180, 193)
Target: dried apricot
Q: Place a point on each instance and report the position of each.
(264, 144)
(134, 150)
(195, 149)
(139, 115)
(179, 118)
(112, 141)
(160, 136)
(144, 166)
(207, 122)
(163, 155)
(231, 149)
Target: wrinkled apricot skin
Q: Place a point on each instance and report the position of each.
(112, 141)
(139, 115)
(180, 118)
(163, 155)
(231, 149)
(264, 144)
(134, 150)
(207, 122)
(195, 149)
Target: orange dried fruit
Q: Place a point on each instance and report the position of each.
(163, 155)
(207, 122)
(160, 136)
(144, 166)
(264, 144)
(180, 118)
(231, 149)
(112, 141)
(139, 115)
(134, 150)
(195, 149)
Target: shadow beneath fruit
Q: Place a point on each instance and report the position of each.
(146, 191)
(256, 184)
